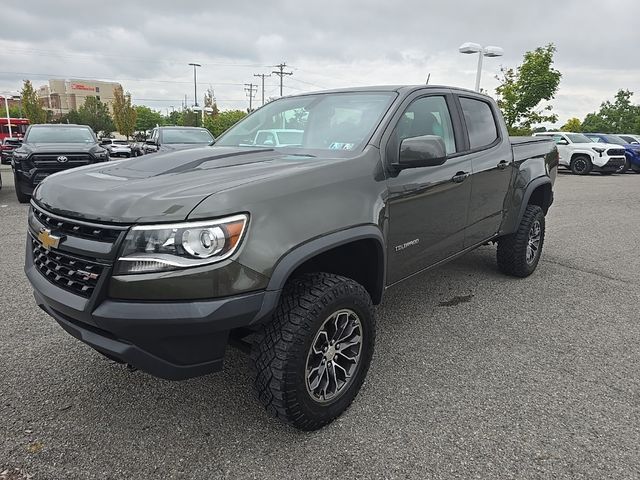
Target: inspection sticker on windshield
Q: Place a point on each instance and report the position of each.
(341, 146)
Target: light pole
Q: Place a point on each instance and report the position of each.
(195, 87)
(482, 52)
(6, 106)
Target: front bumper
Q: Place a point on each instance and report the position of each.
(613, 164)
(172, 340)
(162, 327)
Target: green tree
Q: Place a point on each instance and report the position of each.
(124, 114)
(219, 123)
(173, 118)
(95, 114)
(188, 118)
(522, 90)
(147, 118)
(210, 101)
(31, 105)
(572, 125)
(14, 111)
(619, 116)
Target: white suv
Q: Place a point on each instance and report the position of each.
(116, 148)
(582, 155)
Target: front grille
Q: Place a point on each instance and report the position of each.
(50, 160)
(615, 152)
(615, 162)
(69, 227)
(71, 273)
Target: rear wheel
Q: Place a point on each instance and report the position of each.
(518, 254)
(312, 358)
(581, 165)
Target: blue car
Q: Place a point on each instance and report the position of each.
(631, 150)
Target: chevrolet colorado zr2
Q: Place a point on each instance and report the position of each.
(160, 262)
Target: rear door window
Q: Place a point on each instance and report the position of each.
(481, 124)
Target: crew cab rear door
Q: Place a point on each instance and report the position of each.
(488, 148)
(427, 206)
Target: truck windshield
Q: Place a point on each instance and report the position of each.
(578, 138)
(186, 135)
(331, 121)
(59, 135)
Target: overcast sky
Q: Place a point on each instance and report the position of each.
(327, 44)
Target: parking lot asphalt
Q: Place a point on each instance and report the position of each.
(475, 375)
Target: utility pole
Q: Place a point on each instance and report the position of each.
(251, 89)
(195, 87)
(281, 73)
(262, 76)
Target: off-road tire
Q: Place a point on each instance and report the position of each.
(279, 353)
(512, 249)
(22, 197)
(581, 165)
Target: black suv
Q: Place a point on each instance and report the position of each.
(168, 139)
(48, 149)
(7, 146)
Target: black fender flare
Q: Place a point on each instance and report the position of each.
(511, 222)
(295, 257)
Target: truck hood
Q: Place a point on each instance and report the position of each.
(162, 187)
(172, 147)
(59, 147)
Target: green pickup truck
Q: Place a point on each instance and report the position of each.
(160, 262)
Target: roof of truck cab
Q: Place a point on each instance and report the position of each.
(391, 88)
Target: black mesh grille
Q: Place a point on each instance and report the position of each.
(615, 152)
(70, 273)
(68, 227)
(51, 160)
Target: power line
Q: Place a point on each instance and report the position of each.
(281, 73)
(251, 89)
(262, 77)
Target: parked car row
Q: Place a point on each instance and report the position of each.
(596, 152)
(50, 148)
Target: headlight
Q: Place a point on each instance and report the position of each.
(19, 155)
(599, 150)
(159, 248)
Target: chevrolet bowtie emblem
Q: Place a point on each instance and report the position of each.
(48, 241)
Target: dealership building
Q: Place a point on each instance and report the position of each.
(63, 95)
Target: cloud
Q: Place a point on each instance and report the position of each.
(327, 44)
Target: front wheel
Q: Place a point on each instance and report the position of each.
(22, 197)
(312, 358)
(581, 165)
(519, 253)
(625, 167)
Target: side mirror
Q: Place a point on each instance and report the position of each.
(562, 142)
(150, 141)
(423, 151)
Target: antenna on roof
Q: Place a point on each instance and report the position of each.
(428, 77)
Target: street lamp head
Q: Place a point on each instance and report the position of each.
(195, 64)
(470, 48)
(493, 52)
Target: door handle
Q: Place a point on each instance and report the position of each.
(503, 164)
(459, 177)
